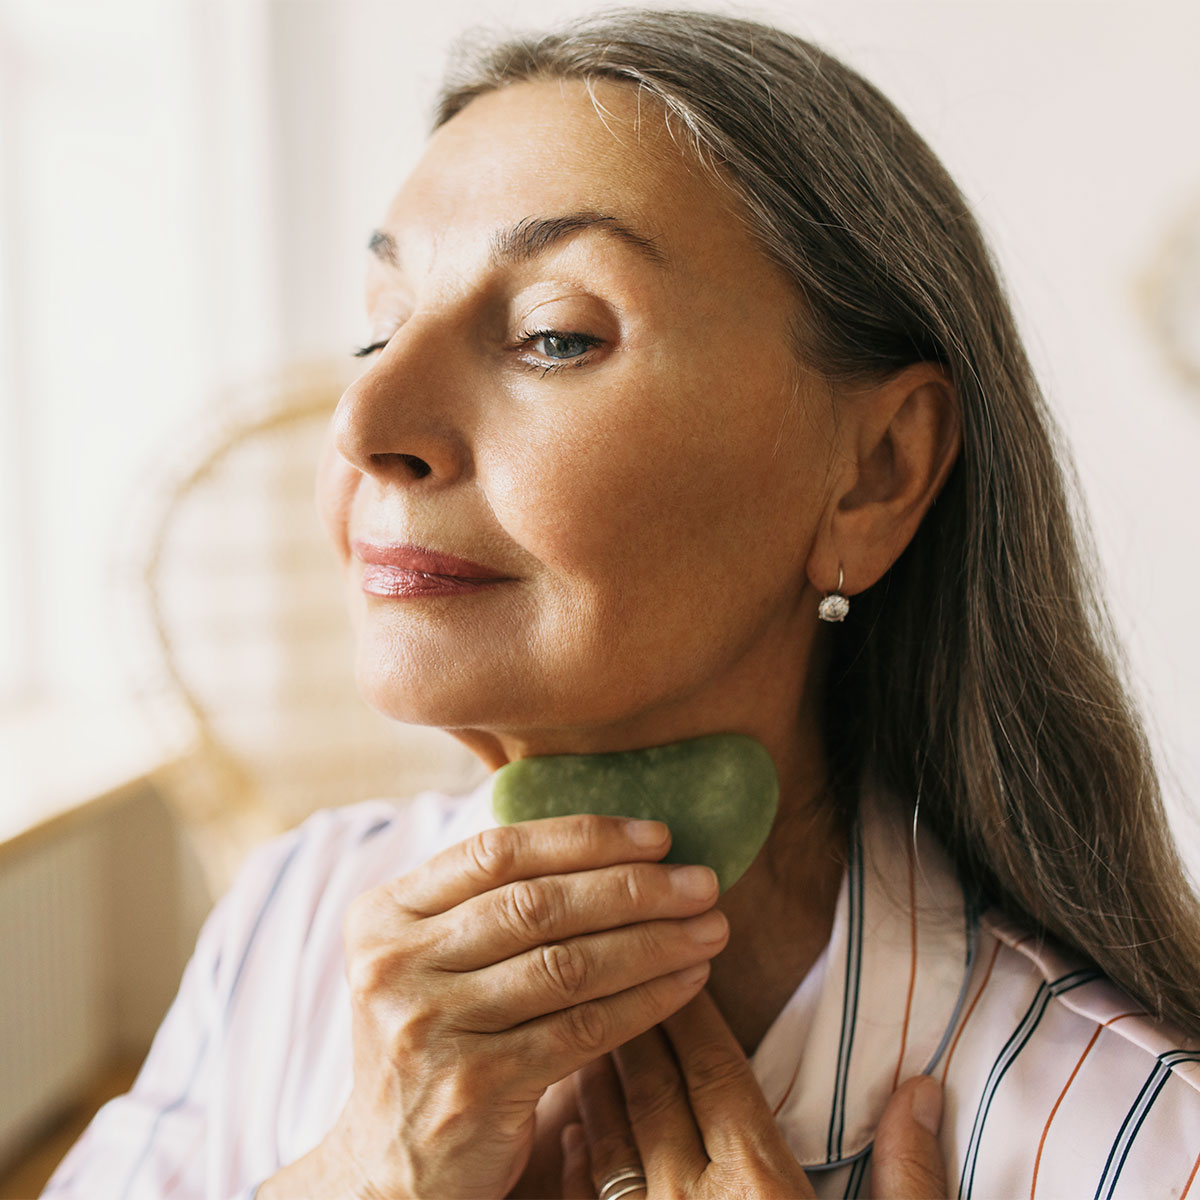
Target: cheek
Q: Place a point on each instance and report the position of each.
(579, 493)
(660, 478)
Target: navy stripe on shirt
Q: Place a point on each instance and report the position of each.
(858, 1173)
(378, 827)
(854, 892)
(258, 920)
(1013, 1047)
(1136, 1116)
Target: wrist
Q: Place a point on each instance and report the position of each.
(324, 1171)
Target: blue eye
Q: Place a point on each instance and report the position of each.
(564, 345)
(553, 350)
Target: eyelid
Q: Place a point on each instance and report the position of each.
(529, 335)
(385, 316)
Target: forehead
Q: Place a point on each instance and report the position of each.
(558, 146)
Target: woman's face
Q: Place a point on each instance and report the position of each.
(583, 382)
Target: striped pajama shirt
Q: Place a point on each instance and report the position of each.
(1056, 1084)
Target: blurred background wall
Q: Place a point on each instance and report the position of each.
(186, 187)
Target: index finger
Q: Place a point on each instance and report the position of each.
(552, 846)
(725, 1097)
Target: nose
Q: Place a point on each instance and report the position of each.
(397, 422)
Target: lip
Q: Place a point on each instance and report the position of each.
(406, 570)
(427, 562)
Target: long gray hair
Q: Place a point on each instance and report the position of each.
(979, 676)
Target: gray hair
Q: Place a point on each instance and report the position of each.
(980, 676)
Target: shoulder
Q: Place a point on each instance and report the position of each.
(292, 892)
(336, 840)
(1057, 1082)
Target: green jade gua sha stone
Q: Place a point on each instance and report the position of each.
(717, 794)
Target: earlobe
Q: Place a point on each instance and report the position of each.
(906, 434)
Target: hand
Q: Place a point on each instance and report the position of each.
(683, 1103)
(497, 968)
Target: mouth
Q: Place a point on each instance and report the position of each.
(404, 570)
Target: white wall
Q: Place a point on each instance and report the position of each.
(136, 223)
(196, 180)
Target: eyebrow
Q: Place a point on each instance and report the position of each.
(535, 235)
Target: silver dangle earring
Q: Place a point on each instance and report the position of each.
(835, 606)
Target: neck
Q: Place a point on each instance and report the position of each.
(781, 911)
(792, 886)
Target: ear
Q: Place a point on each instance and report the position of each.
(900, 439)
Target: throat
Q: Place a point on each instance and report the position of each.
(778, 928)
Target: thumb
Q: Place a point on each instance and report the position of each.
(907, 1157)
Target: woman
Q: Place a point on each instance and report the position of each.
(677, 330)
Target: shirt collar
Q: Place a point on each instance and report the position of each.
(882, 1000)
(880, 1004)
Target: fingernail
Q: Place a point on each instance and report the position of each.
(694, 883)
(926, 1105)
(708, 927)
(646, 833)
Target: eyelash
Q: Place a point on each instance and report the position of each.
(528, 336)
(524, 339)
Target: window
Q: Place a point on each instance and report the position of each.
(134, 180)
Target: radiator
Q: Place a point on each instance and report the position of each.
(53, 1029)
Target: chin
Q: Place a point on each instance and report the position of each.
(406, 697)
(424, 693)
(424, 676)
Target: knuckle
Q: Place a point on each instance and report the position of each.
(528, 906)
(368, 973)
(586, 1029)
(712, 1068)
(652, 944)
(490, 855)
(413, 1031)
(463, 1092)
(926, 1180)
(611, 1147)
(375, 967)
(909, 1175)
(636, 887)
(565, 966)
(590, 829)
(649, 1097)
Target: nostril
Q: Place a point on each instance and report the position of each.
(418, 466)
